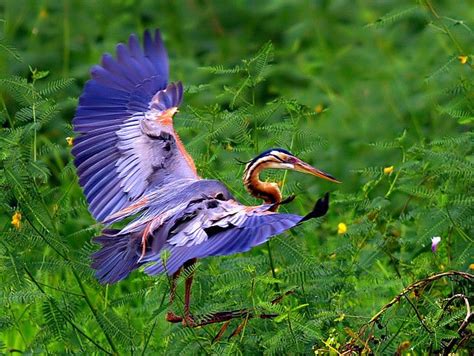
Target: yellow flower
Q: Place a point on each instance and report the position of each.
(341, 228)
(341, 317)
(16, 220)
(43, 13)
(463, 59)
(70, 141)
(471, 266)
(388, 170)
(319, 108)
(404, 345)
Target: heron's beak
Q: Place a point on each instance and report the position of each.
(304, 167)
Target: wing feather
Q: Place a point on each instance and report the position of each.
(120, 152)
(239, 229)
(93, 163)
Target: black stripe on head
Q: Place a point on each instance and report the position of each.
(268, 153)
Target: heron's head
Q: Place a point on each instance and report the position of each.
(278, 158)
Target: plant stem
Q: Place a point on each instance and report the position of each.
(5, 110)
(93, 310)
(79, 282)
(392, 186)
(106, 298)
(75, 327)
(445, 28)
(34, 132)
(272, 265)
(66, 43)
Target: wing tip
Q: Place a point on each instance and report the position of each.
(133, 39)
(95, 71)
(320, 208)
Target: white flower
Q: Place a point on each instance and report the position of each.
(434, 243)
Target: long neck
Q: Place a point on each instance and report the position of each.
(269, 192)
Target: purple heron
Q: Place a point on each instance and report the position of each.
(131, 162)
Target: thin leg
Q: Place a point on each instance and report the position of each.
(173, 285)
(234, 314)
(170, 316)
(239, 328)
(145, 235)
(188, 320)
(221, 331)
(247, 316)
(218, 317)
(226, 316)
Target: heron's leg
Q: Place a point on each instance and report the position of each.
(234, 314)
(188, 320)
(170, 316)
(221, 331)
(217, 317)
(174, 278)
(146, 233)
(234, 333)
(239, 328)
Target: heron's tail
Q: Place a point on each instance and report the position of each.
(119, 255)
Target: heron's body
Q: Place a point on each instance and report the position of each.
(131, 162)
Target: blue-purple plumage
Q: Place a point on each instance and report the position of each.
(195, 220)
(131, 162)
(117, 153)
(253, 231)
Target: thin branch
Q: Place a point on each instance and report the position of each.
(79, 282)
(412, 287)
(464, 324)
(445, 28)
(417, 285)
(418, 315)
(75, 327)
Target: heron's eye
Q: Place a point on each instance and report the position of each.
(291, 160)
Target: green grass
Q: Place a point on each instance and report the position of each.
(351, 87)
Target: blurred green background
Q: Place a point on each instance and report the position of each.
(338, 77)
(369, 80)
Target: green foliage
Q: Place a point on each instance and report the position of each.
(376, 94)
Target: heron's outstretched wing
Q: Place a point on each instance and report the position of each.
(239, 230)
(126, 144)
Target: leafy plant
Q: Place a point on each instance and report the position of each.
(387, 107)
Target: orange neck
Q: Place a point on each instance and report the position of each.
(269, 192)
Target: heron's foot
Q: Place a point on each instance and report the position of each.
(173, 318)
(245, 314)
(246, 317)
(226, 317)
(187, 320)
